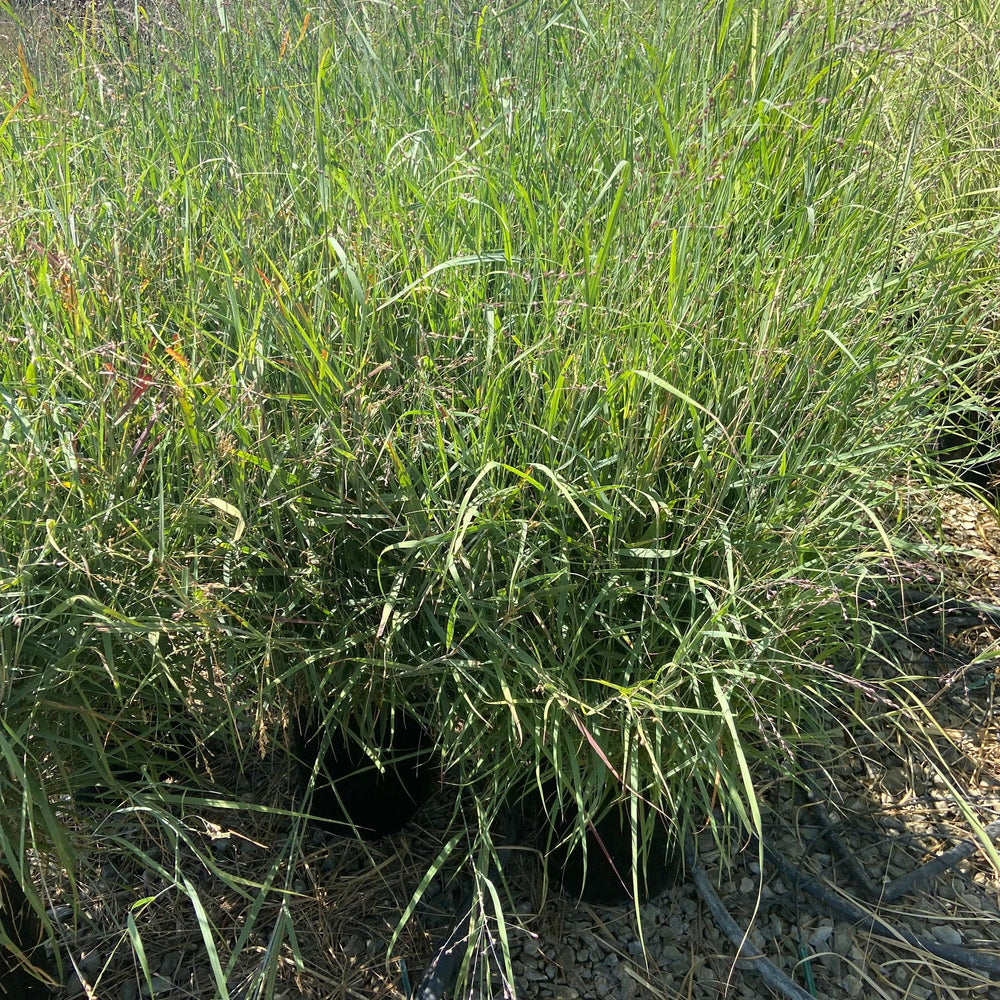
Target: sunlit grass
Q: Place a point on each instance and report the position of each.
(555, 371)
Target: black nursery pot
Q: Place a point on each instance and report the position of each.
(599, 870)
(22, 926)
(968, 444)
(174, 746)
(375, 793)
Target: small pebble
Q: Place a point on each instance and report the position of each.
(91, 962)
(629, 989)
(831, 961)
(853, 986)
(171, 962)
(843, 940)
(222, 845)
(564, 956)
(155, 986)
(821, 935)
(946, 934)
(355, 946)
(671, 955)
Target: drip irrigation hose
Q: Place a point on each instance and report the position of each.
(746, 952)
(914, 602)
(967, 958)
(442, 970)
(919, 878)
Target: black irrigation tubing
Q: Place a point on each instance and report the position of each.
(916, 879)
(443, 968)
(442, 971)
(931, 869)
(925, 612)
(922, 603)
(968, 958)
(838, 848)
(745, 951)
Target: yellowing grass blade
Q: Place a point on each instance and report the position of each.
(232, 511)
(29, 84)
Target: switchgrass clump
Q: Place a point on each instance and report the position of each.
(555, 373)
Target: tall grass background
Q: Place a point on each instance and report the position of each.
(561, 371)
